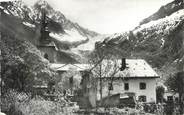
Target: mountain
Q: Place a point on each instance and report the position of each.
(159, 40)
(23, 21)
(164, 11)
(31, 14)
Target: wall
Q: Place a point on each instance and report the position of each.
(118, 87)
(88, 91)
(166, 94)
(50, 51)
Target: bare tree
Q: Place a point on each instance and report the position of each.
(103, 67)
(115, 68)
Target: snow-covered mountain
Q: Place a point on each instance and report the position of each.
(159, 40)
(23, 21)
(61, 28)
(164, 11)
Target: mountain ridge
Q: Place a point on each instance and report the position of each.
(164, 11)
(32, 14)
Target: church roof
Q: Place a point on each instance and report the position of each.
(67, 67)
(49, 44)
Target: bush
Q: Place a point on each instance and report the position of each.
(16, 103)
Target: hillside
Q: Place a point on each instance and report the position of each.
(24, 22)
(160, 42)
(22, 63)
(164, 11)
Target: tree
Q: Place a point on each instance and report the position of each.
(176, 84)
(22, 64)
(103, 66)
(160, 93)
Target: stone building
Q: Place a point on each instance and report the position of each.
(46, 45)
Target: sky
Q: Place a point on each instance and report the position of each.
(106, 16)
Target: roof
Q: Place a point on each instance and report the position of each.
(136, 68)
(67, 67)
(50, 44)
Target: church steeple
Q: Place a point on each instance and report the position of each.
(44, 38)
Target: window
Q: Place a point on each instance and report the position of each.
(126, 86)
(142, 98)
(176, 99)
(142, 85)
(170, 98)
(46, 56)
(110, 86)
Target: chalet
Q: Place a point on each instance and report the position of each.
(135, 76)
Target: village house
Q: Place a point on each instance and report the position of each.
(171, 96)
(137, 78)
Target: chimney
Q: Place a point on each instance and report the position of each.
(123, 64)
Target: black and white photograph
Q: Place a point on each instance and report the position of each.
(92, 57)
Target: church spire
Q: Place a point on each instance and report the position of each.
(44, 38)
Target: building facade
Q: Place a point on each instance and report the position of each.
(143, 88)
(49, 51)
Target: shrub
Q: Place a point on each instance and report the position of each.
(16, 103)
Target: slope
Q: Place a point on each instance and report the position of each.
(164, 11)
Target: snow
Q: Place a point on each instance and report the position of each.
(135, 68)
(116, 35)
(139, 68)
(2, 113)
(163, 41)
(169, 20)
(70, 36)
(1, 7)
(6, 12)
(90, 45)
(28, 24)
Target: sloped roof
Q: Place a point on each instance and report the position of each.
(67, 67)
(135, 68)
(50, 44)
